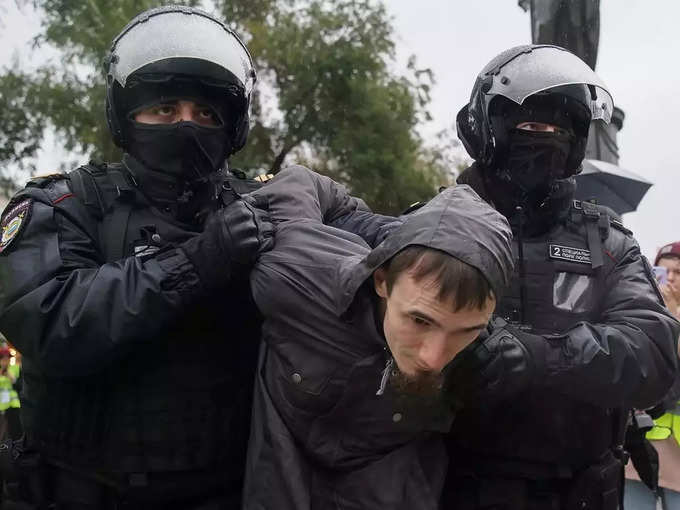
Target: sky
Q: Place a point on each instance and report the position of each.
(639, 48)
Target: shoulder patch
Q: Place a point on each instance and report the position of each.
(14, 221)
(55, 175)
(618, 225)
(43, 180)
(263, 178)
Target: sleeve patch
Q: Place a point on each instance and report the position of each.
(14, 221)
(264, 178)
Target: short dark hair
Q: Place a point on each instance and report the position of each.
(459, 281)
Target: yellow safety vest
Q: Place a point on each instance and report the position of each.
(664, 427)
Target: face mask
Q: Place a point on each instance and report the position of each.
(183, 149)
(535, 160)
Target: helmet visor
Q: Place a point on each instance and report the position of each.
(182, 36)
(541, 68)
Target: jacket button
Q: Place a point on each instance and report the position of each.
(396, 417)
(297, 378)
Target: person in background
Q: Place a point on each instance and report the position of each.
(668, 258)
(9, 399)
(663, 472)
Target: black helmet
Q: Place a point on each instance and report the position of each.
(184, 50)
(528, 79)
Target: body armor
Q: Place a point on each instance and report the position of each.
(559, 287)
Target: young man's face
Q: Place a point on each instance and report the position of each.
(423, 332)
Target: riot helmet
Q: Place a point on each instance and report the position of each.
(543, 83)
(172, 53)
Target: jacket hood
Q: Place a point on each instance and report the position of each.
(457, 222)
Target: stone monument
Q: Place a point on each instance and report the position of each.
(575, 25)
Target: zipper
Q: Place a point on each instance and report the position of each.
(385, 376)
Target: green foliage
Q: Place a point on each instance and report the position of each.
(342, 110)
(20, 117)
(327, 96)
(67, 96)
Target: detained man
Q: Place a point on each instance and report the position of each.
(349, 407)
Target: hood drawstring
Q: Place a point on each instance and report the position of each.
(385, 376)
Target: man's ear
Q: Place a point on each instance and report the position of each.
(380, 283)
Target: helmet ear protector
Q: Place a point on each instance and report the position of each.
(466, 132)
(473, 129)
(112, 121)
(192, 68)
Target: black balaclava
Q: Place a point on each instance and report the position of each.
(530, 169)
(185, 150)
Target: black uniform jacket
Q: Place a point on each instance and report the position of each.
(323, 434)
(132, 365)
(609, 342)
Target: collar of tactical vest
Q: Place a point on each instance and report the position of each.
(180, 199)
(554, 210)
(156, 185)
(535, 220)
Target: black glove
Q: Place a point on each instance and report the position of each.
(231, 241)
(501, 363)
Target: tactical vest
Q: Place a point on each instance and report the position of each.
(178, 402)
(559, 276)
(558, 282)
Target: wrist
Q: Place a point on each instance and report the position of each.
(209, 259)
(536, 347)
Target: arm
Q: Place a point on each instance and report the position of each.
(297, 193)
(372, 228)
(630, 355)
(72, 314)
(627, 359)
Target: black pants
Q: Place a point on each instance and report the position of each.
(14, 429)
(68, 490)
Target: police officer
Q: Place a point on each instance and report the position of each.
(586, 335)
(125, 286)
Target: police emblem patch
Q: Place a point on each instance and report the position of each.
(14, 221)
(580, 255)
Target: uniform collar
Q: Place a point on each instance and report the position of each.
(536, 221)
(156, 185)
(183, 200)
